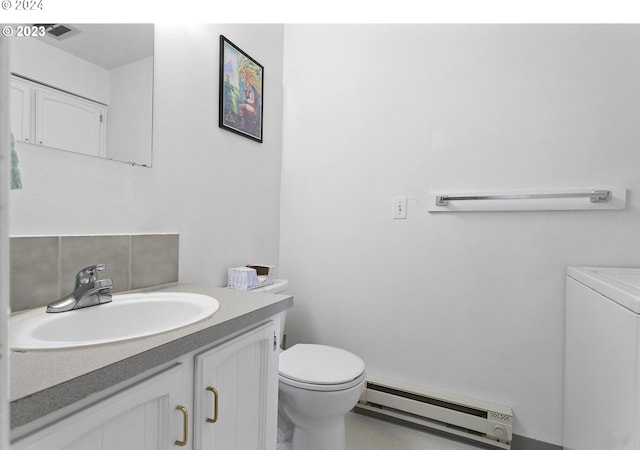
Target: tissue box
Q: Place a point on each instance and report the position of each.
(250, 277)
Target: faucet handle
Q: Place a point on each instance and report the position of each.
(89, 274)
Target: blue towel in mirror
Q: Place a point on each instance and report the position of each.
(16, 182)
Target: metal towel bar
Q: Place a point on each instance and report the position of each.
(595, 196)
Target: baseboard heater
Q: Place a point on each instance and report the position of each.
(472, 419)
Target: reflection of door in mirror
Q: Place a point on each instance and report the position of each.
(89, 90)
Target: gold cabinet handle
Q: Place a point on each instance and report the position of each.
(185, 426)
(214, 391)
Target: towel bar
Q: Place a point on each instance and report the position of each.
(595, 196)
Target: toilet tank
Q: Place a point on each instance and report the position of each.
(279, 286)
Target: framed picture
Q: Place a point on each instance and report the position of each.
(241, 91)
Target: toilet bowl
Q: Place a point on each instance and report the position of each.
(318, 385)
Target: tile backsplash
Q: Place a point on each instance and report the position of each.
(43, 268)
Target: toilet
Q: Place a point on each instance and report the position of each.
(318, 385)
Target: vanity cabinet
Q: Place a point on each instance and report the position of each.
(223, 397)
(45, 116)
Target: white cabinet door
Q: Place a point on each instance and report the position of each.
(142, 417)
(69, 123)
(236, 393)
(21, 108)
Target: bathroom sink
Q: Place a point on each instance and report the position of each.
(128, 316)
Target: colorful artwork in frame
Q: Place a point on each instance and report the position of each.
(241, 91)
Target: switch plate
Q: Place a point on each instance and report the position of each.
(399, 208)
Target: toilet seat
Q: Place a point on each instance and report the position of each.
(322, 387)
(320, 368)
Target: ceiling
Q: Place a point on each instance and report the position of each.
(107, 45)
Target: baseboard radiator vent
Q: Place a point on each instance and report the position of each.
(472, 419)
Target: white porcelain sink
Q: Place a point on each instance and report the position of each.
(128, 316)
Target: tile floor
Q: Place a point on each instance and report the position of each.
(369, 433)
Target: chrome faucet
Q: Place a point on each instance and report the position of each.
(89, 291)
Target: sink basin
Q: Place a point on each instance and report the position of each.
(128, 316)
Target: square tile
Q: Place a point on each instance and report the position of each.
(154, 259)
(34, 271)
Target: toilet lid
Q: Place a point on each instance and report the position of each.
(320, 364)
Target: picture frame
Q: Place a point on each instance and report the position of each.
(241, 91)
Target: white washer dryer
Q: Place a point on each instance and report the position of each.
(602, 359)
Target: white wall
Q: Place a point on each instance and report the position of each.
(130, 116)
(470, 303)
(218, 190)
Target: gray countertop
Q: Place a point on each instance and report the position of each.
(43, 382)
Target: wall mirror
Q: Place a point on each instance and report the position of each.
(85, 88)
